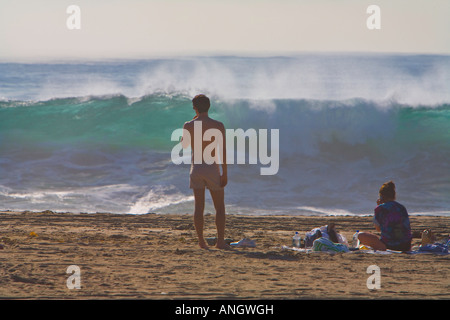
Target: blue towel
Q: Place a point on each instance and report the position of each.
(435, 247)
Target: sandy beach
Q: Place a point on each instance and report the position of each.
(156, 257)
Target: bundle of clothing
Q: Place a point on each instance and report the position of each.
(326, 238)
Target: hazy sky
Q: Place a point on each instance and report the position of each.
(36, 29)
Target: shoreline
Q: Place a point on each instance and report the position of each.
(156, 256)
(414, 214)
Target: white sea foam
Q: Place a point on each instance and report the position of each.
(406, 79)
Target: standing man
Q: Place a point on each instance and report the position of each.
(205, 171)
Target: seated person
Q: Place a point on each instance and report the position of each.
(392, 220)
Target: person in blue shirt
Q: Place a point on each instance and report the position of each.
(391, 219)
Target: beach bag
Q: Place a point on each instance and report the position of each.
(342, 239)
(324, 244)
(428, 237)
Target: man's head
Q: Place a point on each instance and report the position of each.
(201, 103)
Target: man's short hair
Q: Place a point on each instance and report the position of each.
(201, 103)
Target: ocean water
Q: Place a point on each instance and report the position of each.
(95, 136)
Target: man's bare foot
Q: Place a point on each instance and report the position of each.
(203, 245)
(222, 245)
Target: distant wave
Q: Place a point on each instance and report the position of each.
(112, 153)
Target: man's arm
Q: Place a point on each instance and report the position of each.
(186, 138)
(223, 154)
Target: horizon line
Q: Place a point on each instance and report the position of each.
(218, 54)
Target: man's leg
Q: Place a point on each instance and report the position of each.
(371, 240)
(218, 197)
(199, 199)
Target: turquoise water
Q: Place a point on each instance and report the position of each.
(82, 137)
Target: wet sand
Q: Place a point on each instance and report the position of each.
(157, 257)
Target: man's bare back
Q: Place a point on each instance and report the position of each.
(205, 173)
